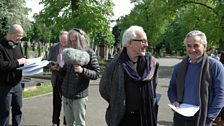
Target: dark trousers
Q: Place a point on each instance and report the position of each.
(10, 97)
(57, 101)
(184, 122)
(130, 119)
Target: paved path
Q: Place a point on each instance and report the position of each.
(37, 111)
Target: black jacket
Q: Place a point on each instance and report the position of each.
(53, 53)
(112, 89)
(10, 76)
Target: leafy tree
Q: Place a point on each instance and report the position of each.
(168, 21)
(153, 16)
(13, 11)
(90, 15)
(116, 32)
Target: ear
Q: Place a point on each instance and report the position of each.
(129, 43)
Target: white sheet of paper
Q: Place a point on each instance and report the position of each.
(31, 63)
(34, 66)
(187, 110)
(30, 73)
(34, 60)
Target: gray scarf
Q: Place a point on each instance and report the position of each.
(205, 83)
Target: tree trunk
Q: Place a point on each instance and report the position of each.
(221, 44)
(74, 5)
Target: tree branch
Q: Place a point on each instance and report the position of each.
(193, 2)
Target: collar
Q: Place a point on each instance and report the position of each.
(190, 61)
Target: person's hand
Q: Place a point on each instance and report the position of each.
(78, 69)
(22, 61)
(176, 104)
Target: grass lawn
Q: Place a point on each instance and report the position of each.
(39, 90)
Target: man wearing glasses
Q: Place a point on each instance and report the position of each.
(129, 83)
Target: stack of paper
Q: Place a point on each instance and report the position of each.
(187, 110)
(34, 66)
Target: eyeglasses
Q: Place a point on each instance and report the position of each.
(142, 41)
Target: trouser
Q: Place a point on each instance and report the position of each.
(131, 119)
(185, 122)
(10, 96)
(75, 111)
(57, 101)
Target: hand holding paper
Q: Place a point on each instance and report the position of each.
(34, 66)
(187, 110)
(22, 61)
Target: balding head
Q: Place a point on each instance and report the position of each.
(15, 28)
(15, 33)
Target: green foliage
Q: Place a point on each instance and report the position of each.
(103, 38)
(39, 32)
(116, 31)
(13, 11)
(90, 15)
(153, 16)
(168, 21)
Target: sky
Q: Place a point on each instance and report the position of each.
(121, 8)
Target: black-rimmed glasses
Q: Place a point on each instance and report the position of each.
(142, 41)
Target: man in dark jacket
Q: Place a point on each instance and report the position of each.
(129, 83)
(11, 57)
(55, 55)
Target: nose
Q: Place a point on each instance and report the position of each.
(146, 44)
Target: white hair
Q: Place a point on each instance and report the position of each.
(130, 33)
(197, 33)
